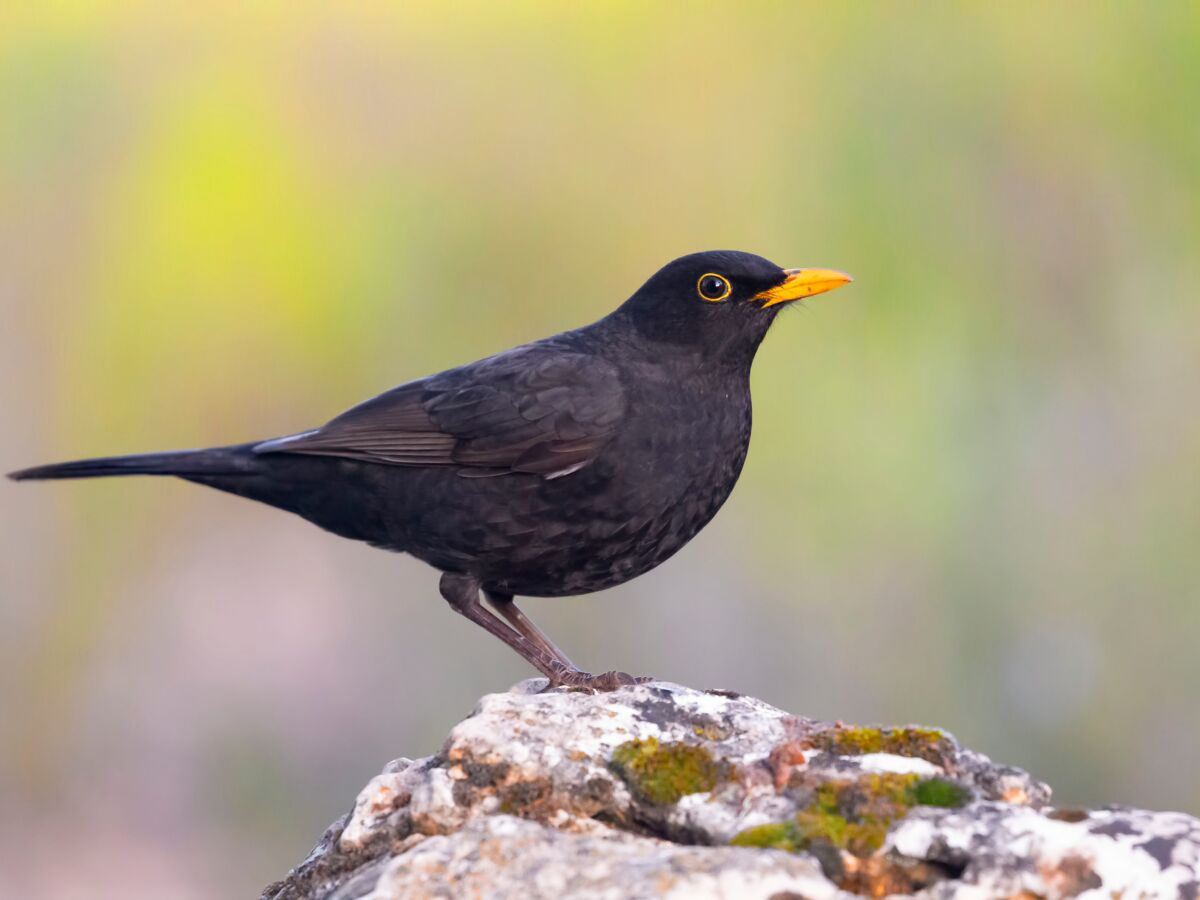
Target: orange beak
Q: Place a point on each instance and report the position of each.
(801, 283)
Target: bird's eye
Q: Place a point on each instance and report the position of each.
(713, 287)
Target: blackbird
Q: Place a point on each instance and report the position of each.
(564, 466)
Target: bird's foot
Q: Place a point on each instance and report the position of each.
(586, 681)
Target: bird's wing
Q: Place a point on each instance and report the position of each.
(535, 410)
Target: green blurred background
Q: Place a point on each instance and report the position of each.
(972, 498)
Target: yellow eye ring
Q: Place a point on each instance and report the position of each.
(713, 287)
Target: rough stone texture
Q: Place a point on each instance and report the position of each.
(662, 791)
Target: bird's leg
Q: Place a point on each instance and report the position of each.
(569, 675)
(503, 604)
(462, 593)
(608, 681)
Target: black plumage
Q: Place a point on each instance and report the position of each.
(564, 466)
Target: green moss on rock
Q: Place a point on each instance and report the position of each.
(783, 836)
(855, 815)
(924, 743)
(940, 792)
(663, 773)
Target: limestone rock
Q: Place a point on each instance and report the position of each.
(659, 790)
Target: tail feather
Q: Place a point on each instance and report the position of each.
(216, 461)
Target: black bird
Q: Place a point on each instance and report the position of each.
(560, 467)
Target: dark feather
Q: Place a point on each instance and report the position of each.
(535, 409)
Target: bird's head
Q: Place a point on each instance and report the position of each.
(720, 303)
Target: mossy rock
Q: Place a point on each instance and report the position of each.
(855, 815)
(940, 792)
(777, 836)
(662, 773)
(929, 744)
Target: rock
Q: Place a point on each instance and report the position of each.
(658, 790)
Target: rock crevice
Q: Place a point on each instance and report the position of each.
(660, 790)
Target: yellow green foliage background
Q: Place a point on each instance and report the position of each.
(972, 498)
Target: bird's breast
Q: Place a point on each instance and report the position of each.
(660, 481)
(669, 467)
(684, 459)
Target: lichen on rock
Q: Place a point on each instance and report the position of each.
(659, 790)
(663, 774)
(854, 815)
(930, 744)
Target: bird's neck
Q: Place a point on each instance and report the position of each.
(671, 348)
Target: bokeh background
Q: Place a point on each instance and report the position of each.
(972, 498)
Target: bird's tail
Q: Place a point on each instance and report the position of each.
(237, 460)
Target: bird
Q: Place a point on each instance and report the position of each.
(560, 467)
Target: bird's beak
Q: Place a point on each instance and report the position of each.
(802, 283)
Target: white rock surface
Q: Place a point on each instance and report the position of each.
(639, 792)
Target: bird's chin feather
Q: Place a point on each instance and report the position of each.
(786, 308)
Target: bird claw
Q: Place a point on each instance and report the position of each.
(608, 681)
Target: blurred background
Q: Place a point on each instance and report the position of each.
(972, 498)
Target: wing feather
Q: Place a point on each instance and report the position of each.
(538, 409)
